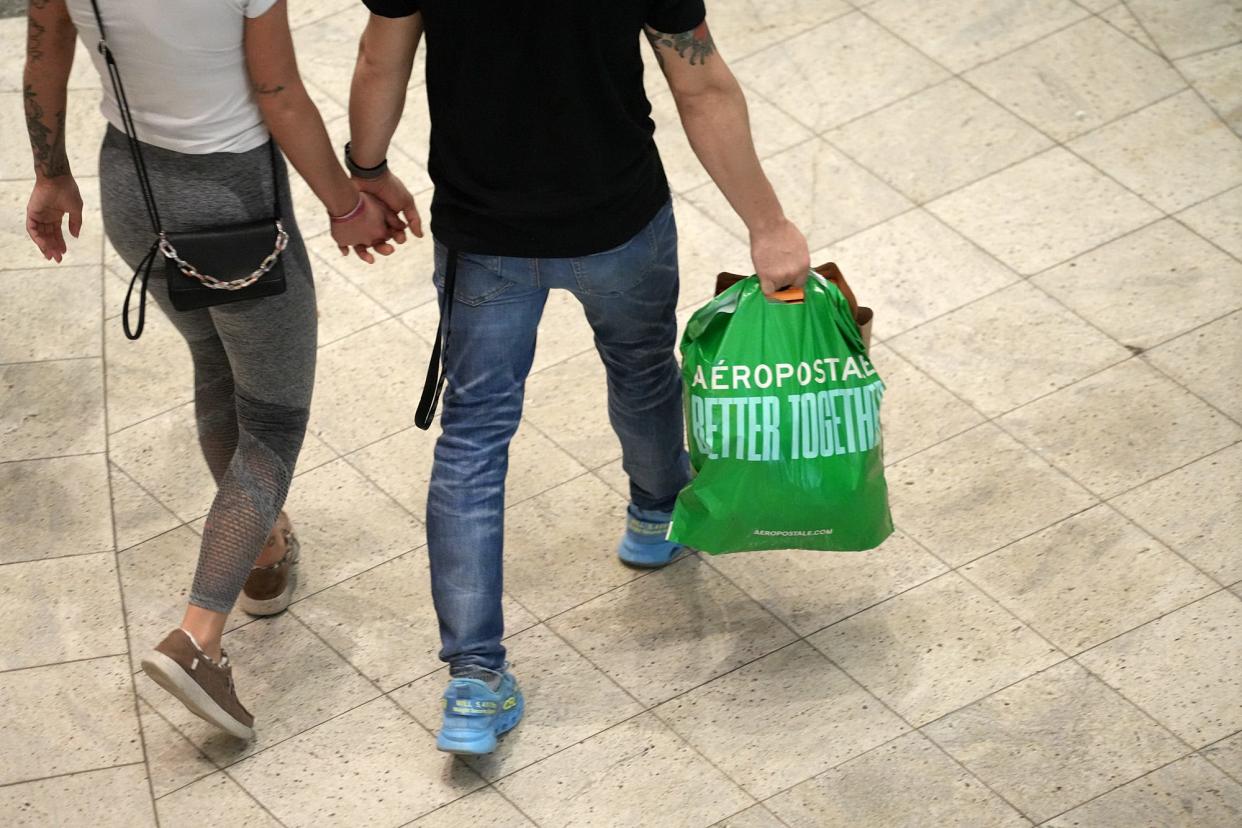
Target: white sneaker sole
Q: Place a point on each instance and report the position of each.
(169, 674)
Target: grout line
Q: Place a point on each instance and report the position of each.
(67, 774)
(50, 664)
(50, 359)
(53, 457)
(55, 558)
(116, 561)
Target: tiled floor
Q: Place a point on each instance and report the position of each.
(1040, 199)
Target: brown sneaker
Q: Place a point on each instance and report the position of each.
(269, 589)
(202, 685)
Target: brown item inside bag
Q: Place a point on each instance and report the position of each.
(863, 316)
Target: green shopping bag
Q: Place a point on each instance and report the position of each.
(783, 423)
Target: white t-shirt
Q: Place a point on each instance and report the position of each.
(184, 70)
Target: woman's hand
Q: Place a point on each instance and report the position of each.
(50, 201)
(370, 226)
(393, 193)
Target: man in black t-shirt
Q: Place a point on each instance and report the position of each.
(547, 176)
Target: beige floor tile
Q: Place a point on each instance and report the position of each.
(162, 456)
(60, 610)
(569, 403)
(1174, 428)
(304, 12)
(155, 579)
(401, 465)
(108, 798)
(1226, 754)
(1044, 347)
(174, 761)
(741, 28)
(65, 718)
(1195, 510)
(1188, 792)
(1191, 27)
(754, 817)
(772, 131)
(935, 649)
(18, 252)
(147, 377)
(1090, 578)
(810, 590)
(327, 48)
(343, 308)
(370, 766)
(977, 492)
(779, 720)
(1219, 220)
(1182, 669)
(289, 679)
(1208, 361)
(672, 631)
(1125, 286)
(346, 525)
(1054, 741)
(54, 507)
(838, 71)
(1074, 207)
(1124, 20)
(138, 516)
(918, 412)
(553, 679)
(1175, 153)
(398, 282)
(615, 478)
(823, 192)
(50, 314)
(383, 621)
(212, 798)
(973, 138)
(13, 31)
(483, 807)
(84, 128)
(560, 546)
(913, 268)
(704, 249)
(377, 370)
(875, 789)
(1077, 79)
(964, 34)
(1218, 77)
(51, 409)
(637, 773)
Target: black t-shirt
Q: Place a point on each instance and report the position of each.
(541, 135)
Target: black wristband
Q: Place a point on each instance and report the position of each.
(364, 172)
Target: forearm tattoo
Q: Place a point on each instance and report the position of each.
(695, 46)
(47, 143)
(34, 40)
(264, 89)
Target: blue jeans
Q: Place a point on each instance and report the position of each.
(630, 298)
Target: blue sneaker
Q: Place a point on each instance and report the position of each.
(646, 543)
(476, 711)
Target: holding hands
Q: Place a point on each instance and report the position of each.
(376, 219)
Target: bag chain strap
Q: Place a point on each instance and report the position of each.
(148, 196)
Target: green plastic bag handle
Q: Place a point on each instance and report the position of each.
(820, 297)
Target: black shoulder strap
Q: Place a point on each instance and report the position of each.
(436, 374)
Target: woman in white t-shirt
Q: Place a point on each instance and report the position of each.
(207, 81)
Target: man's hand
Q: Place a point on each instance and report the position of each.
(393, 193)
(371, 228)
(780, 256)
(50, 201)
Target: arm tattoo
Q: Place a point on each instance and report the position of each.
(34, 40)
(264, 89)
(696, 45)
(48, 143)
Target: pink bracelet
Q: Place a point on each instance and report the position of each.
(352, 214)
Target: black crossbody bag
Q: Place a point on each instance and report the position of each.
(222, 264)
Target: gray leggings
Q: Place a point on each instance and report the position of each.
(254, 361)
